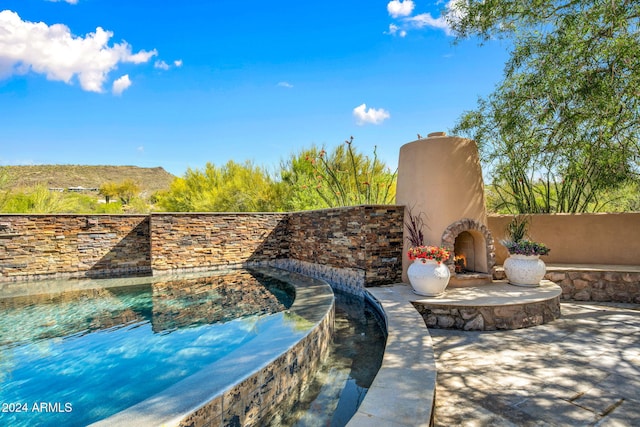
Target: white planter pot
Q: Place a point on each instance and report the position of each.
(524, 270)
(428, 277)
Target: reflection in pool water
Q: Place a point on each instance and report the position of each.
(89, 353)
(342, 382)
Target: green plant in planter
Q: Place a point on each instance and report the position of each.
(426, 278)
(523, 266)
(518, 241)
(518, 228)
(526, 247)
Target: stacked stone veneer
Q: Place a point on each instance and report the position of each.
(210, 240)
(350, 247)
(44, 246)
(584, 284)
(364, 240)
(266, 395)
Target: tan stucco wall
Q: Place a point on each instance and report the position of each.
(440, 176)
(611, 238)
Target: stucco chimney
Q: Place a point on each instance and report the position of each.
(441, 177)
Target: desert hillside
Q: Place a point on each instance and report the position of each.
(65, 176)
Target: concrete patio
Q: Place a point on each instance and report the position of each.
(580, 370)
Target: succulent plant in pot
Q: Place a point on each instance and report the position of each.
(523, 267)
(526, 247)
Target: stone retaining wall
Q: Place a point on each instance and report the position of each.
(358, 243)
(489, 318)
(593, 284)
(193, 241)
(366, 238)
(45, 246)
(603, 286)
(350, 280)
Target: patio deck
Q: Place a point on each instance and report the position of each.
(403, 392)
(580, 370)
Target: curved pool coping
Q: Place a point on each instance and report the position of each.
(279, 367)
(404, 389)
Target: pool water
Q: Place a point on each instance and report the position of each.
(70, 357)
(354, 359)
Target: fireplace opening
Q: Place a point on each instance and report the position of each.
(472, 252)
(464, 253)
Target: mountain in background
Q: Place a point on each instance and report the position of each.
(149, 180)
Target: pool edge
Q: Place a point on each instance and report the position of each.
(404, 389)
(258, 395)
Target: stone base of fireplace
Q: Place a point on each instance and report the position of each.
(490, 307)
(463, 280)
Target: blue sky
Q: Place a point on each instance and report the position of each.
(181, 83)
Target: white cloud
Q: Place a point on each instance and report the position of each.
(394, 29)
(121, 84)
(68, 1)
(285, 84)
(426, 20)
(140, 149)
(453, 11)
(371, 115)
(161, 65)
(55, 52)
(398, 8)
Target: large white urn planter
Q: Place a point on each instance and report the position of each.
(428, 277)
(524, 270)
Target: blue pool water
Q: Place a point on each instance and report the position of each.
(76, 356)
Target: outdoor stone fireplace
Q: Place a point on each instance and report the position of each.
(472, 252)
(440, 177)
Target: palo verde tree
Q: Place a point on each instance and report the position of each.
(310, 179)
(37, 199)
(109, 190)
(560, 132)
(232, 187)
(125, 191)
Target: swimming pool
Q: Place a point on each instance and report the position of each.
(84, 351)
(343, 381)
